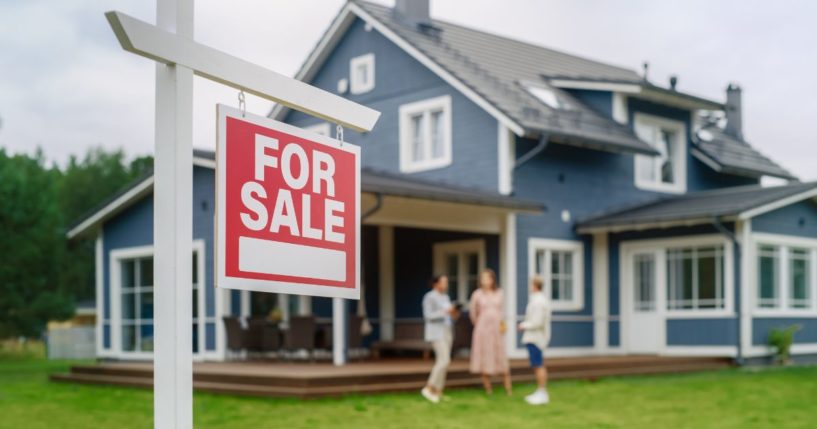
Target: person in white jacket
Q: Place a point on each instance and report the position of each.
(536, 328)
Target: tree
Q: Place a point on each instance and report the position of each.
(32, 245)
(85, 184)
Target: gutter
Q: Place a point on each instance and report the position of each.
(716, 222)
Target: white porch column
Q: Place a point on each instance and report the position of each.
(304, 305)
(385, 236)
(507, 269)
(173, 230)
(601, 291)
(339, 331)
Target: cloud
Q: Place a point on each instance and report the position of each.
(65, 84)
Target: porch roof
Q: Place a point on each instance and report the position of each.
(372, 182)
(379, 182)
(729, 204)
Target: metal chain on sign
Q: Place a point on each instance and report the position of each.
(242, 104)
(339, 134)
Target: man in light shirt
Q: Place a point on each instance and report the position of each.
(536, 328)
(439, 315)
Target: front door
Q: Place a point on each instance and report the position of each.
(461, 262)
(645, 298)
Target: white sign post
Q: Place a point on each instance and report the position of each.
(170, 43)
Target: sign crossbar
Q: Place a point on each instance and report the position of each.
(152, 42)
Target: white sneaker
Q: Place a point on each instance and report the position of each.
(540, 397)
(428, 394)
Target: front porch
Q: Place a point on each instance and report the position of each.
(304, 380)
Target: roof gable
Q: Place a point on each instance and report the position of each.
(492, 71)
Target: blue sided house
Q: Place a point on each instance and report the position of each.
(639, 205)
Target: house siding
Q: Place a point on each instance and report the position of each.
(799, 219)
(762, 327)
(702, 332)
(400, 79)
(134, 227)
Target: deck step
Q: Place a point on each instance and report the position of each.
(306, 381)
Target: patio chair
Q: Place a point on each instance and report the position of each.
(301, 334)
(262, 336)
(235, 334)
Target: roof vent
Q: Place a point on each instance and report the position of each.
(413, 12)
(673, 81)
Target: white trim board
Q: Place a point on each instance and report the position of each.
(783, 202)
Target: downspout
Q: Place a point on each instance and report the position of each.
(543, 143)
(378, 204)
(716, 222)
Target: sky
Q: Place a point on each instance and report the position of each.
(66, 85)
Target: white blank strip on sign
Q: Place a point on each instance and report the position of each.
(287, 259)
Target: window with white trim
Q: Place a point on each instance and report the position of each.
(785, 279)
(559, 264)
(695, 278)
(425, 134)
(665, 172)
(136, 304)
(361, 74)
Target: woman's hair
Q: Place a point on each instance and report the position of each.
(434, 279)
(538, 283)
(491, 273)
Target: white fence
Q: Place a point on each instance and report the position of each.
(72, 343)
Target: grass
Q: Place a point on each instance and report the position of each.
(779, 398)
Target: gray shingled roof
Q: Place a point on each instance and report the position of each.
(496, 68)
(736, 156)
(696, 206)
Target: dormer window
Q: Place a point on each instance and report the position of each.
(666, 171)
(425, 134)
(361, 74)
(549, 97)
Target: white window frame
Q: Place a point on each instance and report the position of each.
(425, 107)
(662, 245)
(679, 129)
(784, 244)
(549, 245)
(461, 248)
(115, 283)
(356, 83)
(322, 128)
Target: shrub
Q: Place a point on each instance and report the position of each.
(781, 340)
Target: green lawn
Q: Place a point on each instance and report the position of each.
(776, 398)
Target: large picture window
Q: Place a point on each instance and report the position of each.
(695, 278)
(559, 264)
(133, 287)
(666, 171)
(786, 275)
(425, 135)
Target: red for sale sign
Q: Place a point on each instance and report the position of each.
(287, 209)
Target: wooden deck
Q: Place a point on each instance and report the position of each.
(305, 380)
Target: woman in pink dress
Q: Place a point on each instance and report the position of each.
(488, 355)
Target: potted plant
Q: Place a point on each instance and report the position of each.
(781, 339)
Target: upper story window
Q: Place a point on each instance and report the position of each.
(425, 134)
(559, 264)
(665, 172)
(361, 74)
